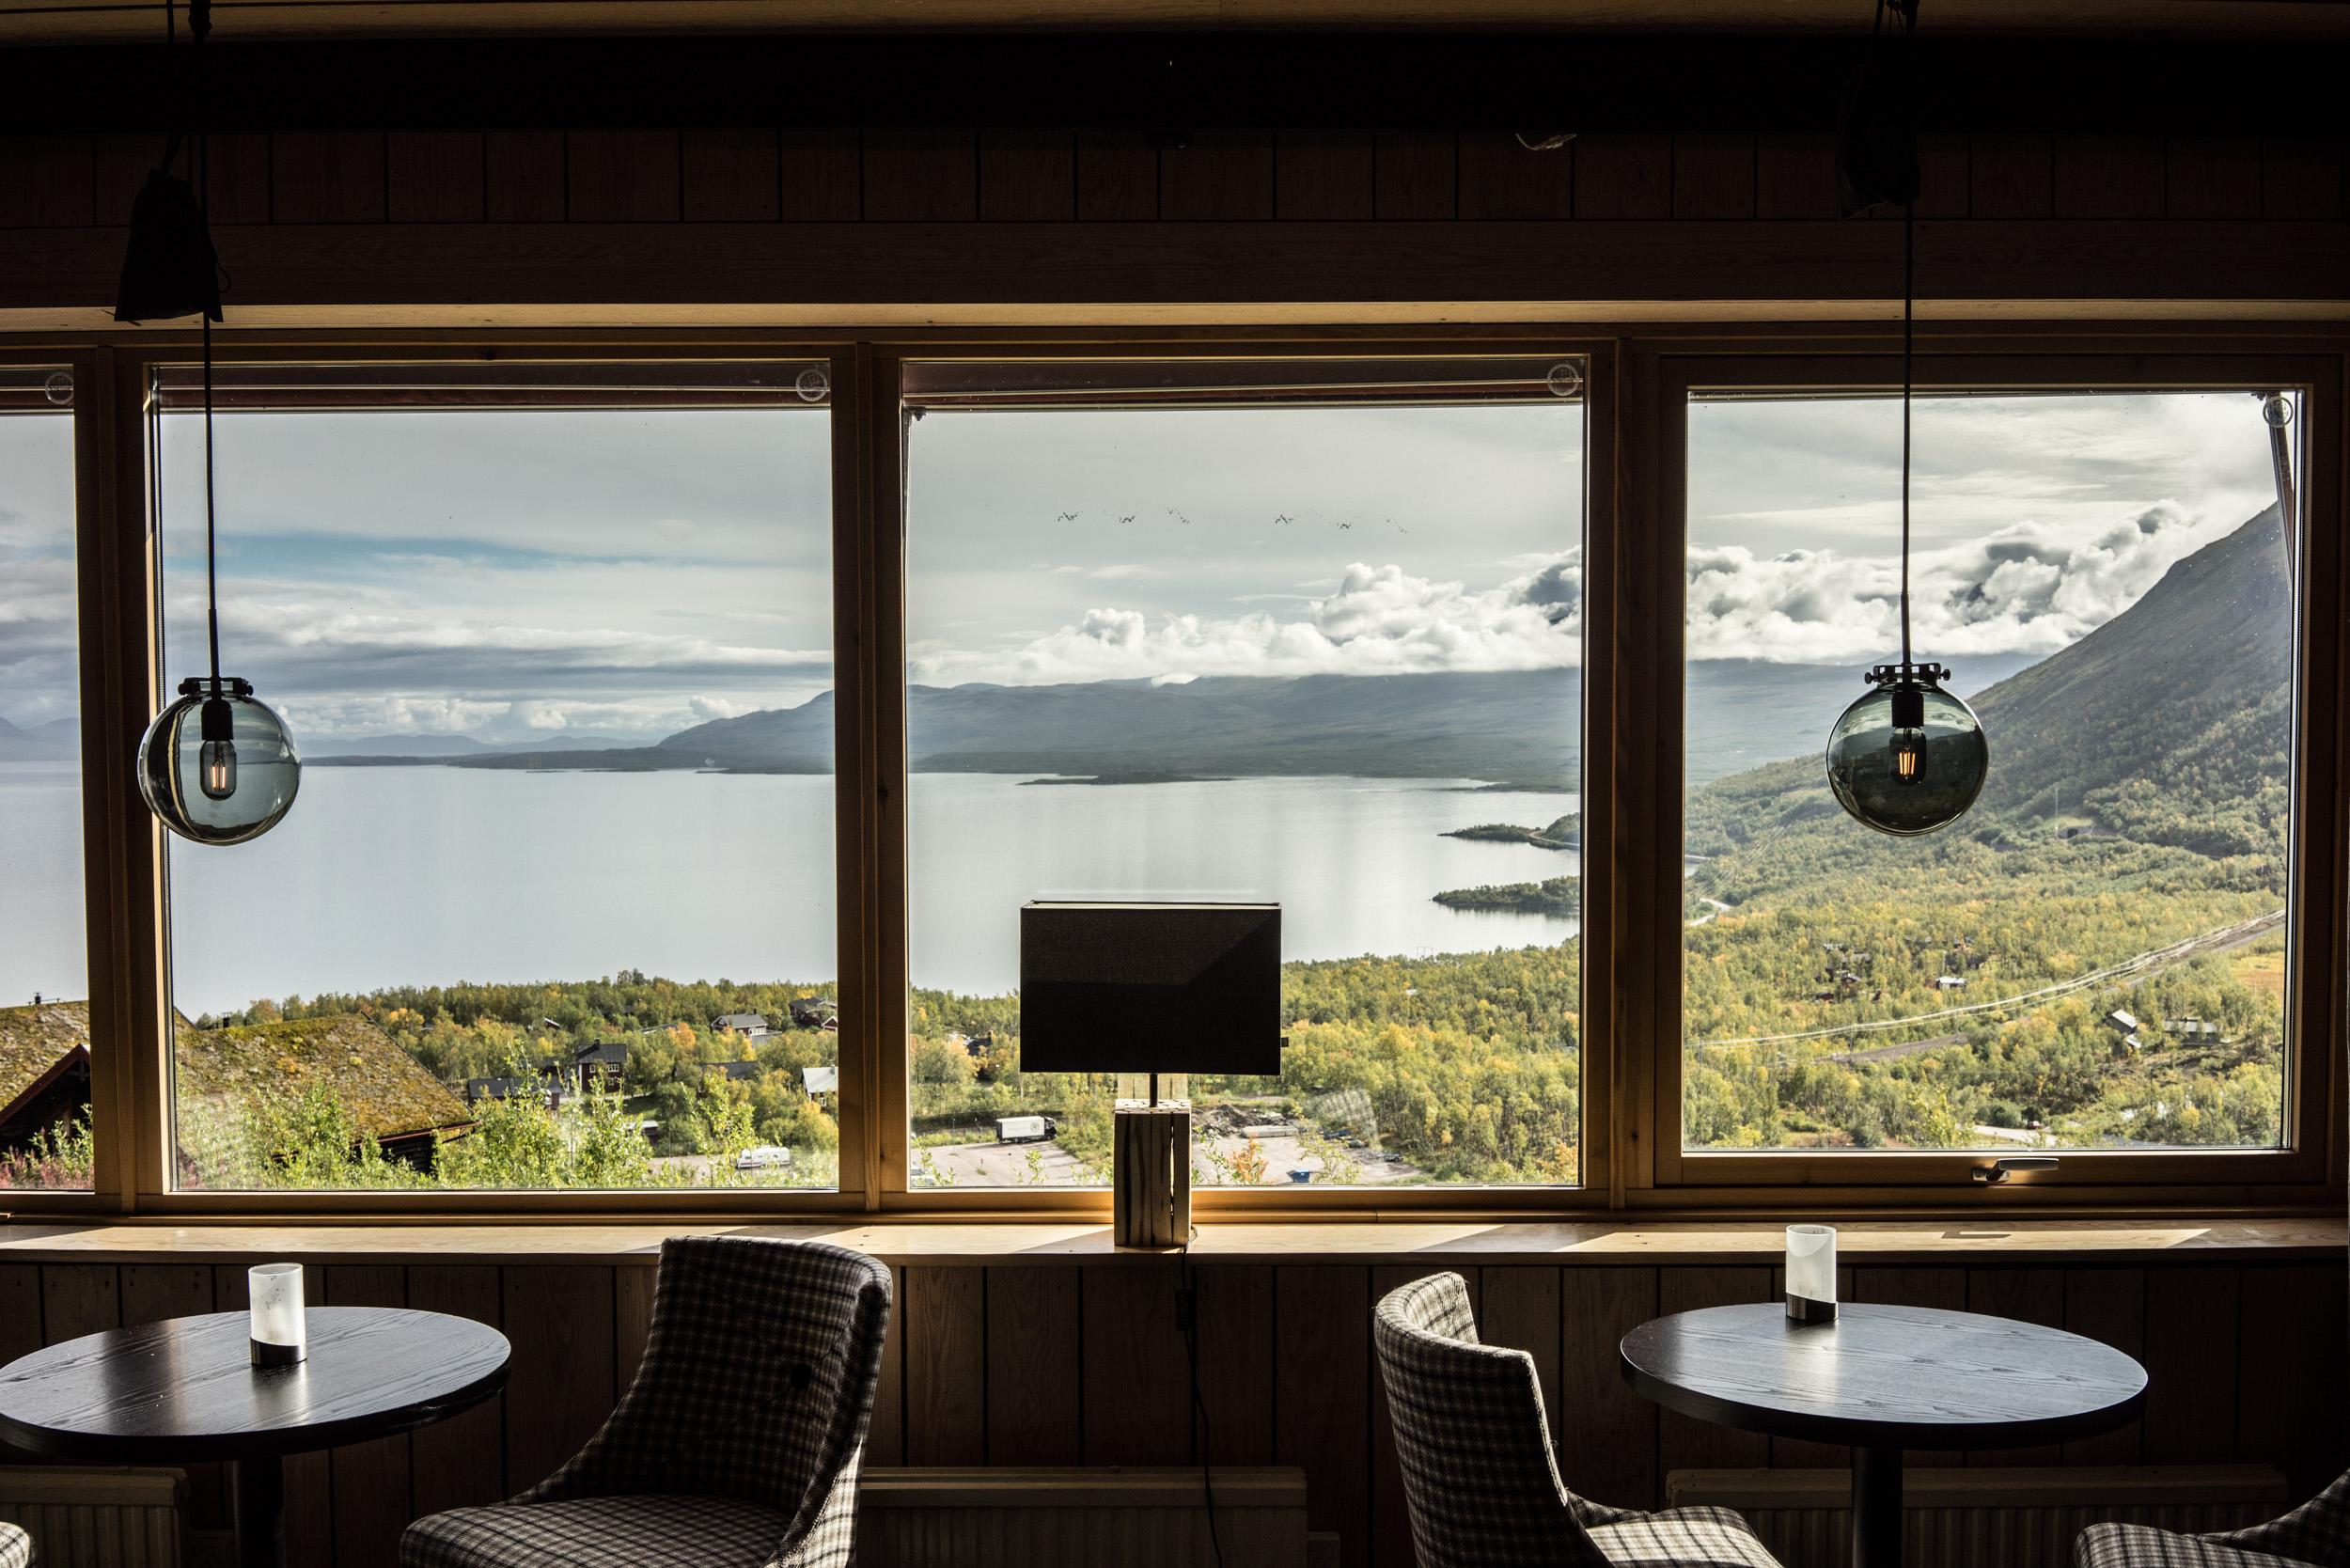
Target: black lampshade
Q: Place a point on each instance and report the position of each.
(169, 269)
(1908, 757)
(1151, 988)
(218, 765)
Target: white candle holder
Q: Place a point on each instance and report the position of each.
(275, 1297)
(1812, 1273)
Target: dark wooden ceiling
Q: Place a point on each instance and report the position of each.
(67, 21)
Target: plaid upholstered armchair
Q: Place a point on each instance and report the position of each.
(16, 1547)
(2317, 1535)
(1479, 1474)
(737, 1444)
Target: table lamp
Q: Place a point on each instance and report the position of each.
(1151, 988)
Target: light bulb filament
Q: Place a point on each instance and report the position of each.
(217, 769)
(1910, 755)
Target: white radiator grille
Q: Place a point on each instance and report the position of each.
(1956, 1517)
(95, 1517)
(1077, 1518)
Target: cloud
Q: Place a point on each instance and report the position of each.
(2025, 589)
(1378, 620)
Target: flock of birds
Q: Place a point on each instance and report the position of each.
(1282, 520)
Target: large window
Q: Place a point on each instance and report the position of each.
(2094, 958)
(44, 975)
(1307, 633)
(556, 904)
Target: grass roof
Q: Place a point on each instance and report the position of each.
(389, 1095)
(33, 1038)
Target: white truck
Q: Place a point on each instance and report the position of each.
(1025, 1129)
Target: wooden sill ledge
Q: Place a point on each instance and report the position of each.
(1383, 1242)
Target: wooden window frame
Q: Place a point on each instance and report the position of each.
(1631, 939)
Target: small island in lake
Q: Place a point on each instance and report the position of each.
(1553, 895)
(1564, 834)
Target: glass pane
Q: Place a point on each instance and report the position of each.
(1309, 634)
(2093, 956)
(555, 905)
(44, 975)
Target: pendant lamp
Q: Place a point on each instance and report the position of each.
(217, 766)
(1908, 757)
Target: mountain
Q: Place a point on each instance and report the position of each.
(396, 745)
(58, 741)
(2166, 725)
(432, 748)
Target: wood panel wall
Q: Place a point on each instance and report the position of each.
(1015, 176)
(1056, 1364)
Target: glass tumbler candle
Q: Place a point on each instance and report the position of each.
(275, 1296)
(1812, 1273)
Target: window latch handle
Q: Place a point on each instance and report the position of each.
(2000, 1169)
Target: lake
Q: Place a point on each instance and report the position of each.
(428, 876)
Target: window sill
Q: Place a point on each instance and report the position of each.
(1381, 1242)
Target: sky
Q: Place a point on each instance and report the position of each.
(512, 575)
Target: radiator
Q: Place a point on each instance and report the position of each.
(1079, 1518)
(1956, 1517)
(99, 1518)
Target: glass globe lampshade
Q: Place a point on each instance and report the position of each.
(1908, 757)
(218, 765)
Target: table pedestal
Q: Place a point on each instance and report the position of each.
(260, 1512)
(1877, 1508)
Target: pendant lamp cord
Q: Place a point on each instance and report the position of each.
(1910, 352)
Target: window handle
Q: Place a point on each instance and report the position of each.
(2000, 1169)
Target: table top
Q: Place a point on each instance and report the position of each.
(1894, 1377)
(185, 1389)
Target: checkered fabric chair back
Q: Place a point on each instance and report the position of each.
(756, 1382)
(1479, 1475)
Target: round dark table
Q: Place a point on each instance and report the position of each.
(186, 1390)
(1883, 1379)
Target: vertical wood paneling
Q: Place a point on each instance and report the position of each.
(1683, 1444)
(238, 186)
(1236, 1359)
(632, 1320)
(2108, 176)
(1137, 1384)
(1321, 1398)
(946, 1368)
(1217, 176)
(523, 176)
(2028, 1295)
(2214, 178)
(1326, 175)
(152, 1292)
(326, 176)
(309, 1477)
(2301, 180)
(1502, 180)
(2110, 1305)
(370, 1480)
(731, 176)
(922, 176)
(1118, 178)
(2192, 1319)
(1795, 176)
(1945, 163)
(119, 163)
(1035, 1355)
(822, 175)
(1606, 1434)
(558, 1386)
(1390, 1510)
(435, 177)
(462, 1465)
(1416, 176)
(46, 182)
(2290, 1395)
(19, 1321)
(78, 1299)
(623, 175)
(2011, 177)
(1028, 175)
(1713, 176)
(885, 1439)
(1624, 177)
